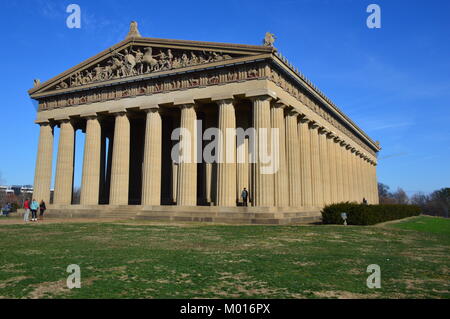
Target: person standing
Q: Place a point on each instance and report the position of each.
(42, 209)
(244, 196)
(26, 214)
(34, 207)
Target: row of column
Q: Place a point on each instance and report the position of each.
(315, 166)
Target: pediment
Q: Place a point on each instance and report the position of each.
(141, 58)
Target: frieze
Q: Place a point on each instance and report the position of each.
(154, 86)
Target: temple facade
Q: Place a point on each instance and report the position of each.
(130, 99)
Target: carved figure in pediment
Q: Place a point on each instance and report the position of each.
(184, 60)
(163, 61)
(169, 57)
(139, 60)
(87, 77)
(194, 58)
(128, 62)
(176, 63)
(149, 60)
(118, 66)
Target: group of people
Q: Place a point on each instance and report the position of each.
(34, 206)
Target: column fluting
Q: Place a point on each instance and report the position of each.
(90, 182)
(64, 164)
(43, 171)
(152, 164)
(187, 168)
(120, 167)
(226, 168)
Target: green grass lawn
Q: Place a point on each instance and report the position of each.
(426, 224)
(151, 260)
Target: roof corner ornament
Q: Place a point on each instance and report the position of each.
(36, 82)
(134, 32)
(269, 39)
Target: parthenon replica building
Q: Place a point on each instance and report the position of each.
(130, 99)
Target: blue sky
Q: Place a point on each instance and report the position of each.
(394, 82)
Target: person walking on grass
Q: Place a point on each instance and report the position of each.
(244, 196)
(42, 209)
(26, 214)
(34, 207)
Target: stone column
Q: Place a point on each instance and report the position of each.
(332, 167)
(324, 165)
(90, 182)
(316, 173)
(64, 164)
(120, 167)
(339, 175)
(187, 168)
(263, 192)
(293, 159)
(152, 164)
(281, 198)
(242, 169)
(305, 162)
(226, 168)
(353, 175)
(365, 179)
(350, 176)
(375, 183)
(344, 159)
(43, 172)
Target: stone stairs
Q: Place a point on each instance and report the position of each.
(232, 215)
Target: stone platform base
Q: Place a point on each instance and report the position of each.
(214, 214)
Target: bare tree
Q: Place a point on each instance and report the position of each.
(76, 195)
(440, 202)
(420, 199)
(400, 196)
(384, 194)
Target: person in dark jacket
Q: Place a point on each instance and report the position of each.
(244, 196)
(42, 209)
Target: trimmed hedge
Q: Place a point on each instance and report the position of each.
(360, 214)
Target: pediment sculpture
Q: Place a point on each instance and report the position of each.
(139, 60)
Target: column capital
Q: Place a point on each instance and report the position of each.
(223, 98)
(89, 116)
(149, 107)
(304, 119)
(313, 125)
(224, 101)
(263, 94)
(118, 111)
(281, 104)
(323, 130)
(44, 123)
(331, 135)
(291, 111)
(186, 106)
